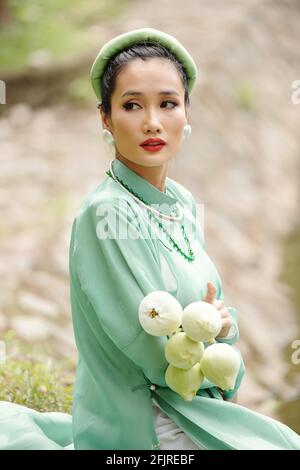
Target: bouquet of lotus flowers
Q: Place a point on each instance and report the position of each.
(160, 314)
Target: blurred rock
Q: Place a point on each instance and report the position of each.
(39, 59)
(3, 324)
(20, 115)
(30, 328)
(37, 305)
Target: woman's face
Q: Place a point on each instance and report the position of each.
(148, 114)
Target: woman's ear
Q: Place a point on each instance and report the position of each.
(187, 114)
(105, 119)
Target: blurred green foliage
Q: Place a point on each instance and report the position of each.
(51, 28)
(288, 410)
(291, 274)
(79, 91)
(31, 377)
(245, 96)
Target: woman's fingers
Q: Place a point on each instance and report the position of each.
(224, 313)
(211, 292)
(219, 304)
(226, 325)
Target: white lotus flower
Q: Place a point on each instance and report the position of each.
(220, 364)
(160, 313)
(185, 382)
(183, 352)
(201, 321)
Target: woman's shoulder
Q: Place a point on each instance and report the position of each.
(105, 208)
(105, 194)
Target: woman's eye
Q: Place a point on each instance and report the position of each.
(128, 106)
(171, 102)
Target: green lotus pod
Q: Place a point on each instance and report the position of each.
(160, 313)
(220, 364)
(201, 321)
(183, 352)
(185, 382)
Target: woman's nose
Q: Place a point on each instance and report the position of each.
(152, 123)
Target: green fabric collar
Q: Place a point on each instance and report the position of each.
(147, 191)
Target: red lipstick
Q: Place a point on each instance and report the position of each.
(153, 145)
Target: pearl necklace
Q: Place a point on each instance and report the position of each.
(140, 201)
(188, 257)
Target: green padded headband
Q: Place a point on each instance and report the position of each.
(117, 44)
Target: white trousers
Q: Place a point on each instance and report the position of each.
(170, 436)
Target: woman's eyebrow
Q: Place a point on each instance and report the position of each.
(166, 92)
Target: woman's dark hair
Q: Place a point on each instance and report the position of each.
(144, 50)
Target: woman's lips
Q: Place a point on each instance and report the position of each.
(153, 148)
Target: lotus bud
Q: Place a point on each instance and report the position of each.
(220, 364)
(185, 382)
(183, 352)
(201, 321)
(160, 313)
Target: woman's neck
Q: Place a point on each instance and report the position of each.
(155, 175)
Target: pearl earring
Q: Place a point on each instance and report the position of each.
(187, 131)
(108, 137)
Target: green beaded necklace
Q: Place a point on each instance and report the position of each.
(188, 257)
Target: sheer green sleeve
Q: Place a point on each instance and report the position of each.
(233, 334)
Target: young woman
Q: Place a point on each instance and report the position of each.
(137, 232)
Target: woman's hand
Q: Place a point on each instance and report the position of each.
(219, 304)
